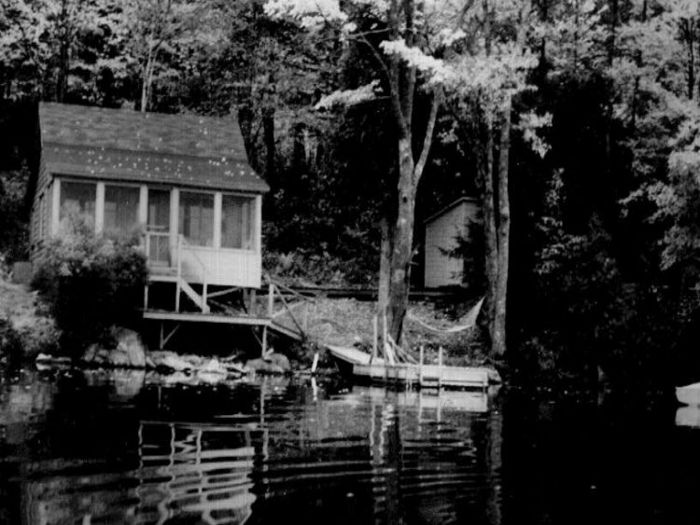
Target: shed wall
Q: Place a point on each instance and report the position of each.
(441, 236)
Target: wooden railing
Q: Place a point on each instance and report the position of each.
(278, 292)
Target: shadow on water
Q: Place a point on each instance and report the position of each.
(128, 448)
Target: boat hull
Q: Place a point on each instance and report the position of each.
(689, 394)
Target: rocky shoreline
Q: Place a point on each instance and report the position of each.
(129, 352)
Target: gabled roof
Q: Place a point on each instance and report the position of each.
(122, 144)
(453, 204)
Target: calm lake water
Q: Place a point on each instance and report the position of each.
(125, 448)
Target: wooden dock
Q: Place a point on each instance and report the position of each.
(361, 365)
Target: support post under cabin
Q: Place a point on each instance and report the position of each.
(263, 347)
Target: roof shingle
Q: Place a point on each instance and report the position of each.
(127, 145)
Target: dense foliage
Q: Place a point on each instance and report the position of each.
(91, 284)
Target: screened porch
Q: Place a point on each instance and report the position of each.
(211, 237)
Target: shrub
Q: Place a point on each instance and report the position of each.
(91, 283)
(308, 269)
(10, 342)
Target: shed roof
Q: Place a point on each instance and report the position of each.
(442, 211)
(122, 144)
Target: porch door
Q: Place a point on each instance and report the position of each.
(158, 227)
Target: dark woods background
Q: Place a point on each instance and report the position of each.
(604, 230)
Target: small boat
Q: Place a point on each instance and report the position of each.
(359, 364)
(688, 394)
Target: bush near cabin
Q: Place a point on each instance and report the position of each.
(91, 283)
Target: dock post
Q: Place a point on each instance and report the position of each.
(439, 367)
(420, 366)
(374, 338)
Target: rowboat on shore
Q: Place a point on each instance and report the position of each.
(688, 394)
(361, 365)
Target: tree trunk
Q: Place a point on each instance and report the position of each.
(63, 71)
(245, 120)
(485, 167)
(384, 278)
(147, 80)
(402, 248)
(268, 123)
(498, 336)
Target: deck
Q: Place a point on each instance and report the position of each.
(226, 319)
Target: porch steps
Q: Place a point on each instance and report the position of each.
(197, 299)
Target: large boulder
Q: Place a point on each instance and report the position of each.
(169, 360)
(273, 363)
(128, 351)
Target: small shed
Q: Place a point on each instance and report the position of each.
(183, 182)
(443, 229)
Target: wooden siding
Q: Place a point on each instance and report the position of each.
(441, 235)
(224, 267)
(40, 220)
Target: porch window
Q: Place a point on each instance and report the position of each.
(78, 199)
(237, 221)
(121, 209)
(197, 218)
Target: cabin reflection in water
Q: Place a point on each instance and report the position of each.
(195, 472)
(200, 474)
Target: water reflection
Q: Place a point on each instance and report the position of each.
(124, 448)
(131, 448)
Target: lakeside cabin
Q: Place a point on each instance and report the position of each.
(442, 231)
(182, 182)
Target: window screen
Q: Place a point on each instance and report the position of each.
(78, 198)
(237, 222)
(121, 209)
(197, 218)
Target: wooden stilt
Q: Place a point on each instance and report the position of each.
(440, 367)
(145, 297)
(252, 301)
(264, 342)
(270, 300)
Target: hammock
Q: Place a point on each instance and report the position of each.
(468, 321)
